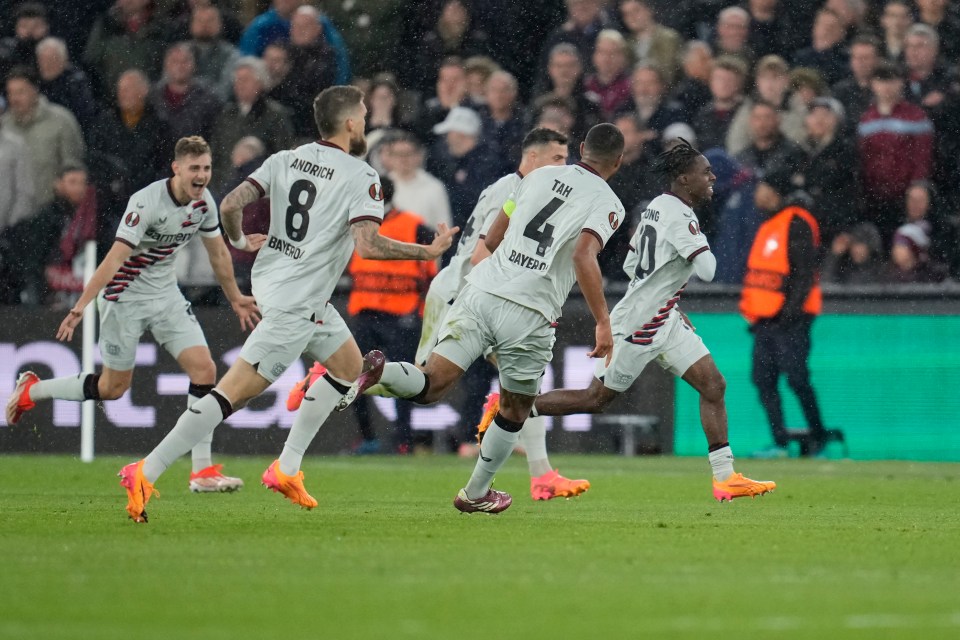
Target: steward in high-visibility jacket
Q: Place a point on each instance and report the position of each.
(780, 298)
(394, 287)
(781, 273)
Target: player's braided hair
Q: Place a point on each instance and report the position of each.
(675, 162)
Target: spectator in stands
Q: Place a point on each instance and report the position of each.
(565, 80)
(386, 307)
(16, 179)
(732, 32)
(281, 85)
(942, 16)
(854, 92)
(557, 114)
(807, 85)
(502, 117)
(454, 34)
(64, 84)
(769, 149)
(651, 42)
(827, 53)
(54, 235)
(312, 65)
(451, 91)
(910, 258)
(30, 26)
(49, 131)
(896, 147)
(245, 158)
(766, 28)
(609, 85)
(852, 14)
(478, 70)
(248, 113)
(772, 85)
(829, 168)
(855, 257)
(131, 135)
(732, 219)
(895, 20)
(180, 14)
(693, 91)
(585, 19)
(383, 105)
(652, 108)
(214, 57)
(927, 79)
(726, 91)
(185, 106)
(274, 24)
(464, 164)
(415, 189)
(127, 36)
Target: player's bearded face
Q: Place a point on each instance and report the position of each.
(358, 144)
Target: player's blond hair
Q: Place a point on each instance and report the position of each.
(190, 146)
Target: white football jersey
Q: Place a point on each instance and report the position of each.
(157, 227)
(533, 266)
(659, 263)
(316, 192)
(450, 280)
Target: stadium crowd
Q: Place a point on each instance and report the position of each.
(859, 100)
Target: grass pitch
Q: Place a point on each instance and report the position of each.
(840, 550)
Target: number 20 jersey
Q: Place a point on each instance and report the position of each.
(316, 192)
(659, 263)
(533, 266)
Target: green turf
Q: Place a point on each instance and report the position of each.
(841, 550)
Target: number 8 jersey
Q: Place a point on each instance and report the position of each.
(316, 192)
(533, 266)
(660, 262)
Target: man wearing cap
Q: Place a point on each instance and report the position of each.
(461, 162)
(780, 298)
(829, 168)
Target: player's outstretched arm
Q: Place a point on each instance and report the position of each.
(373, 246)
(244, 306)
(496, 232)
(111, 263)
(231, 215)
(591, 285)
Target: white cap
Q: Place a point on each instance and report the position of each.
(679, 130)
(461, 120)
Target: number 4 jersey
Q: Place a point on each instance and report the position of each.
(316, 192)
(660, 262)
(533, 266)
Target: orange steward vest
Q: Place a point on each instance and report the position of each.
(391, 286)
(762, 295)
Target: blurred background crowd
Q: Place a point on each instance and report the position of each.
(859, 100)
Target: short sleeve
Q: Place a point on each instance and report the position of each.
(683, 232)
(135, 222)
(210, 225)
(605, 218)
(366, 202)
(263, 177)
(491, 210)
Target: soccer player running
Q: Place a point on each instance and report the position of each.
(666, 249)
(546, 236)
(140, 293)
(541, 148)
(323, 201)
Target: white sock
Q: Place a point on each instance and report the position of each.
(67, 388)
(195, 424)
(319, 401)
(533, 439)
(496, 447)
(721, 461)
(200, 455)
(403, 379)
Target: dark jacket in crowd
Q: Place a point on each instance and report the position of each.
(141, 151)
(112, 49)
(194, 116)
(783, 153)
(831, 178)
(267, 120)
(72, 89)
(711, 125)
(833, 63)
